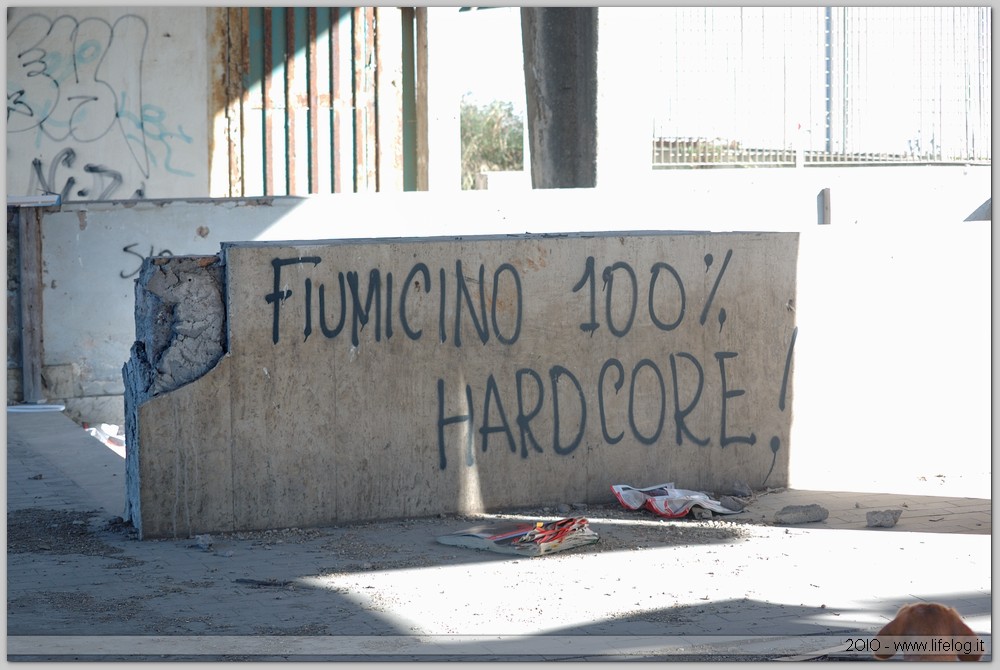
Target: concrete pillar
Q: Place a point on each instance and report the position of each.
(560, 77)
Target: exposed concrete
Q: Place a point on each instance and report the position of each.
(882, 518)
(180, 318)
(560, 77)
(795, 514)
(180, 328)
(457, 375)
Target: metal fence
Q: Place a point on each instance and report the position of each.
(814, 85)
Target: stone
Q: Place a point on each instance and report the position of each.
(732, 503)
(883, 518)
(794, 514)
(701, 513)
(563, 508)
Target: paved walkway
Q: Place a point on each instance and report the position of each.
(737, 589)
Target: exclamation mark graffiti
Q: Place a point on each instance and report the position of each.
(776, 441)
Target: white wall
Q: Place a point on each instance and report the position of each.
(107, 102)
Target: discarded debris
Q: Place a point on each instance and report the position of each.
(525, 539)
(108, 433)
(883, 518)
(795, 514)
(666, 501)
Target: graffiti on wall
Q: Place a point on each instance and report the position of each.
(75, 91)
(129, 250)
(648, 400)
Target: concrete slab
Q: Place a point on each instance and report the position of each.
(475, 373)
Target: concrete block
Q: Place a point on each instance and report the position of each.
(377, 379)
(882, 518)
(795, 514)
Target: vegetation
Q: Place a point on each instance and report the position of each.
(492, 139)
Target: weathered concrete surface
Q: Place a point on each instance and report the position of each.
(885, 518)
(179, 324)
(381, 379)
(560, 79)
(180, 318)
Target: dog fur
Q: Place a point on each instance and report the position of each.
(928, 619)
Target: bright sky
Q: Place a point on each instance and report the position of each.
(494, 69)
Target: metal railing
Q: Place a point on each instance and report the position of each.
(822, 85)
(698, 153)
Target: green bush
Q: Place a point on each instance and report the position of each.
(492, 139)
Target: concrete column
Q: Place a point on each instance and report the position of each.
(560, 77)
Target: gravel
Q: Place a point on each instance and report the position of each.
(36, 530)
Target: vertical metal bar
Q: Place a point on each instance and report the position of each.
(268, 103)
(238, 35)
(423, 176)
(828, 18)
(358, 25)
(251, 137)
(313, 129)
(409, 99)
(846, 73)
(371, 164)
(337, 103)
(366, 156)
(291, 156)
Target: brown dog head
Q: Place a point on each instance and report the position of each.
(930, 621)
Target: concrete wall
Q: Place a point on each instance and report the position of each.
(99, 105)
(893, 296)
(378, 379)
(92, 252)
